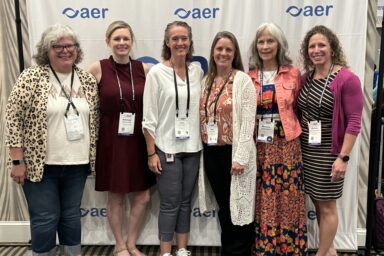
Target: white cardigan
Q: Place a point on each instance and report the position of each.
(243, 187)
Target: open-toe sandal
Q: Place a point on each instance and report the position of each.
(120, 251)
(135, 252)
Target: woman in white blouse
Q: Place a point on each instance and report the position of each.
(171, 130)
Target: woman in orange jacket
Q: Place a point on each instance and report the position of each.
(280, 209)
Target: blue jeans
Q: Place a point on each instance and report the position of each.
(54, 206)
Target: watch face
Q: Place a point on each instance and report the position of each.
(345, 158)
(15, 162)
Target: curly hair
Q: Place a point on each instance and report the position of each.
(50, 37)
(337, 53)
(166, 52)
(237, 63)
(282, 56)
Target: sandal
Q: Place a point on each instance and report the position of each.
(117, 252)
(135, 252)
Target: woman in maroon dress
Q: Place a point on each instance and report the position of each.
(121, 162)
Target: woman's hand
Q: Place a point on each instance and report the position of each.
(339, 168)
(154, 164)
(237, 169)
(19, 173)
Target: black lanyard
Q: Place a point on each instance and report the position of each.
(322, 93)
(177, 91)
(216, 99)
(120, 88)
(69, 98)
(261, 78)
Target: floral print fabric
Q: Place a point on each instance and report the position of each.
(280, 220)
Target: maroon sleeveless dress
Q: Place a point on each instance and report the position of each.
(121, 161)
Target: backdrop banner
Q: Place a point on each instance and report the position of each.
(348, 18)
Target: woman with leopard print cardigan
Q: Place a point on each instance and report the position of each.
(52, 118)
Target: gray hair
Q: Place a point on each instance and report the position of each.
(282, 49)
(51, 36)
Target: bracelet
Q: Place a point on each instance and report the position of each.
(150, 155)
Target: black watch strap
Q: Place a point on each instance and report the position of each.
(18, 161)
(345, 158)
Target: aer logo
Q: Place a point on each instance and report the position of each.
(309, 10)
(197, 13)
(85, 13)
(93, 212)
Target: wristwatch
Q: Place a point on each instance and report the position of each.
(18, 161)
(345, 158)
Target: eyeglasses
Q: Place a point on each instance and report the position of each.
(60, 48)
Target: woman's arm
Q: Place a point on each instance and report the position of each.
(352, 104)
(150, 120)
(153, 159)
(297, 75)
(95, 70)
(339, 167)
(18, 172)
(146, 67)
(247, 126)
(17, 105)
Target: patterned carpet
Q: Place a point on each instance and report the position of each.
(24, 250)
(107, 250)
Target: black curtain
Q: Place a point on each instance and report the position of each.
(374, 152)
(19, 35)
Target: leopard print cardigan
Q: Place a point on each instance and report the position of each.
(26, 117)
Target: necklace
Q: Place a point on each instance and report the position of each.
(269, 76)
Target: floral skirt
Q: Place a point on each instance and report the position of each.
(280, 221)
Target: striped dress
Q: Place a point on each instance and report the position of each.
(318, 159)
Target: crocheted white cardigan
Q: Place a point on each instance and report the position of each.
(243, 187)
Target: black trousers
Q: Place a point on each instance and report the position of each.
(235, 240)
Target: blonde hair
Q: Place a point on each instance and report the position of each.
(117, 24)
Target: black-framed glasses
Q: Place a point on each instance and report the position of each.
(60, 48)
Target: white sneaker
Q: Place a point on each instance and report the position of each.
(183, 252)
(167, 254)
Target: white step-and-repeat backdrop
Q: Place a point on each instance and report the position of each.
(148, 18)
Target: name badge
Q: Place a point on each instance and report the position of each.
(266, 131)
(314, 137)
(169, 158)
(182, 128)
(126, 124)
(212, 132)
(73, 127)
